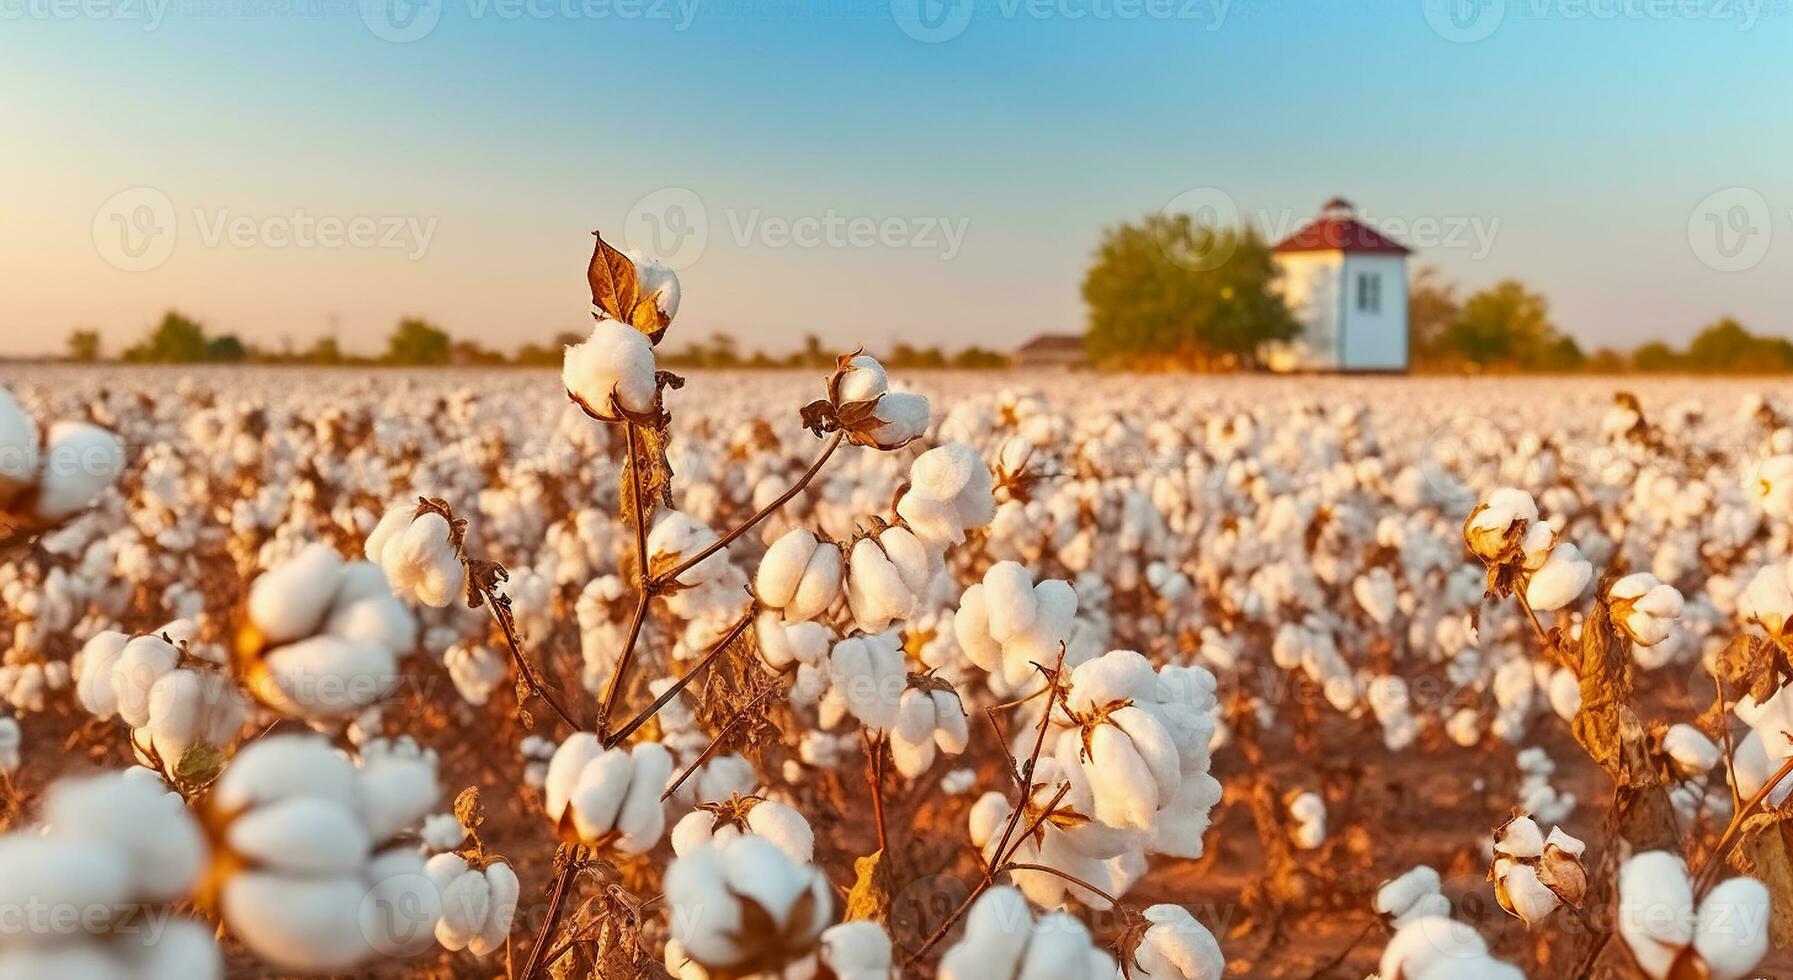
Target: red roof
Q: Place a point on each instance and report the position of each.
(1333, 233)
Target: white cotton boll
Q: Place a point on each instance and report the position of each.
(1520, 838)
(398, 786)
(1126, 795)
(708, 889)
(1565, 693)
(863, 381)
(502, 911)
(188, 708)
(180, 950)
(1431, 947)
(1693, 753)
(903, 418)
(139, 666)
(877, 592)
(616, 359)
(677, 536)
(402, 906)
(308, 925)
(380, 621)
(1058, 941)
(782, 645)
(971, 627)
(1560, 580)
(1177, 947)
(326, 677)
(392, 524)
(950, 491)
(725, 776)
(442, 832)
(165, 851)
(870, 672)
(281, 767)
(1376, 594)
(301, 835)
(1731, 935)
(58, 871)
(1398, 898)
(18, 447)
(784, 827)
(952, 728)
(1009, 599)
(475, 670)
(1645, 608)
(658, 281)
(1488, 528)
(1531, 900)
(1655, 909)
(80, 461)
(1768, 599)
(997, 929)
(858, 950)
(93, 684)
(289, 602)
(421, 562)
(799, 575)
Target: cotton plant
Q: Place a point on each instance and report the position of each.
(744, 906)
(415, 546)
(49, 474)
(1414, 894)
(173, 701)
(1534, 874)
(309, 875)
(323, 637)
(608, 798)
(478, 901)
(118, 848)
(1006, 624)
(719, 822)
(1723, 935)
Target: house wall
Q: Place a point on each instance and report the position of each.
(1373, 340)
(1310, 285)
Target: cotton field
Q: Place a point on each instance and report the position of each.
(857, 675)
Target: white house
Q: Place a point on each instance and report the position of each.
(1347, 284)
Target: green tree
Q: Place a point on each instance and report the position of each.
(227, 349)
(325, 351)
(1431, 309)
(1655, 356)
(84, 345)
(175, 340)
(1727, 346)
(1171, 291)
(1507, 325)
(418, 342)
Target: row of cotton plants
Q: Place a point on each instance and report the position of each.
(630, 674)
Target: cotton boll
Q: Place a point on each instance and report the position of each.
(864, 380)
(189, 708)
(878, 588)
(709, 890)
(164, 848)
(1432, 946)
(308, 925)
(615, 360)
(782, 645)
(1768, 600)
(302, 835)
(140, 665)
(325, 677)
(380, 621)
(900, 418)
(609, 796)
(1412, 895)
(421, 561)
(870, 673)
(80, 461)
(1645, 608)
(289, 602)
(1560, 580)
(1693, 753)
(799, 576)
(1655, 906)
(268, 770)
(19, 447)
(858, 950)
(1177, 947)
(180, 950)
(93, 684)
(398, 786)
(1732, 935)
(950, 491)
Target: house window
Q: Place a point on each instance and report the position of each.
(1369, 292)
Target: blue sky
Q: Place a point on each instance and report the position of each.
(275, 172)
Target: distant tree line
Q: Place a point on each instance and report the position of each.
(1507, 327)
(179, 339)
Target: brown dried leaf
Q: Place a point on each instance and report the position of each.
(614, 286)
(1765, 851)
(648, 318)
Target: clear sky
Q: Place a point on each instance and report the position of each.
(868, 170)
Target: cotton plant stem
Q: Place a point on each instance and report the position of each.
(665, 698)
(646, 592)
(556, 902)
(874, 778)
(1073, 879)
(1039, 743)
(764, 512)
(710, 750)
(1701, 878)
(507, 625)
